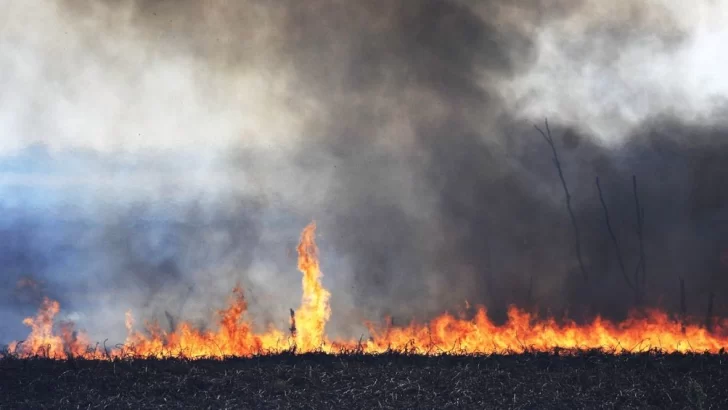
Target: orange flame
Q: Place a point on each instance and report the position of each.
(43, 341)
(311, 317)
(642, 331)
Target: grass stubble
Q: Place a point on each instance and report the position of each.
(592, 379)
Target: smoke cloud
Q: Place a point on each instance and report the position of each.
(155, 153)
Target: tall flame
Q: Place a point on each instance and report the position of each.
(315, 311)
(649, 329)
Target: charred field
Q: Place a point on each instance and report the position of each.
(545, 380)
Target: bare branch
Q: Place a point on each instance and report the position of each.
(614, 239)
(292, 329)
(550, 140)
(683, 305)
(640, 230)
(709, 313)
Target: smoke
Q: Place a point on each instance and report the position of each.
(607, 68)
(155, 153)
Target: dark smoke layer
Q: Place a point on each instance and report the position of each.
(201, 137)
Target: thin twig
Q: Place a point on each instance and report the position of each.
(614, 239)
(640, 231)
(491, 293)
(683, 305)
(550, 140)
(709, 313)
(292, 329)
(170, 320)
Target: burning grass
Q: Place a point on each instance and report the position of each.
(470, 332)
(555, 379)
(454, 361)
(465, 361)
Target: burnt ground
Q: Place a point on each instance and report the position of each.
(525, 381)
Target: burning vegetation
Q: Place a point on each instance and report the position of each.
(470, 332)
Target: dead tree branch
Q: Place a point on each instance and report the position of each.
(683, 304)
(550, 140)
(709, 313)
(640, 229)
(614, 240)
(292, 329)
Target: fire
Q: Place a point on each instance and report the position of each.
(311, 317)
(44, 341)
(234, 337)
(523, 331)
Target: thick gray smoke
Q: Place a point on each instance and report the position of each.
(155, 153)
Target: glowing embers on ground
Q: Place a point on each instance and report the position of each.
(650, 329)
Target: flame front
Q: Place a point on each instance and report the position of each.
(651, 329)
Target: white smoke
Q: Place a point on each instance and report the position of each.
(608, 67)
(97, 83)
(101, 83)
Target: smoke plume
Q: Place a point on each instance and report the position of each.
(155, 153)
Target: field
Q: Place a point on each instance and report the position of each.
(590, 379)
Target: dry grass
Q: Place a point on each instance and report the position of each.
(526, 381)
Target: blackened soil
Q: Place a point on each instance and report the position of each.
(588, 380)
